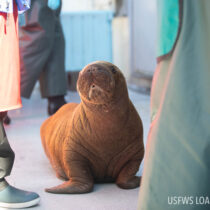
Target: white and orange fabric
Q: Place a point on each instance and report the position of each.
(9, 61)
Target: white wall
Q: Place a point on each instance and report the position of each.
(81, 5)
(142, 32)
(121, 44)
(143, 29)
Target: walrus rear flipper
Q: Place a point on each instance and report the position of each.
(71, 187)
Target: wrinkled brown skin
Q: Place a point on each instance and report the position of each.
(100, 139)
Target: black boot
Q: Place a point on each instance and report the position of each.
(7, 120)
(55, 103)
(4, 116)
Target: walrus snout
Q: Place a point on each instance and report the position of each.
(94, 89)
(96, 83)
(99, 75)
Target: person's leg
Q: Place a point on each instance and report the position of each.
(7, 120)
(53, 80)
(36, 41)
(11, 197)
(6, 153)
(177, 159)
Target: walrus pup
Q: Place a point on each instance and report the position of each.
(100, 139)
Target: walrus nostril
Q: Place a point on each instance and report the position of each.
(113, 70)
(91, 69)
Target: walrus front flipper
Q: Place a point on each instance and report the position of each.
(131, 183)
(71, 187)
(126, 178)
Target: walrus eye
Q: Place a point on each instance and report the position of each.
(113, 70)
(93, 86)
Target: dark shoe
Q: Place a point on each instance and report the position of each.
(7, 120)
(4, 117)
(55, 103)
(11, 197)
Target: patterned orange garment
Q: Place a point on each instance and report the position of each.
(9, 61)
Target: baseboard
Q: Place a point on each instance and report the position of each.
(140, 82)
(72, 80)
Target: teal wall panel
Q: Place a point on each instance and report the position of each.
(88, 37)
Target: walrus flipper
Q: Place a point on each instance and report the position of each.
(126, 178)
(131, 183)
(80, 178)
(71, 187)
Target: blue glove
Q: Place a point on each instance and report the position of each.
(54, 4)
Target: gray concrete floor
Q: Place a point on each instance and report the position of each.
(33, 172)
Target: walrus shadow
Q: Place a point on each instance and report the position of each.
(100, 186)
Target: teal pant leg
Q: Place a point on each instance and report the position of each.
(6, 154)
(53, 80)
(42, 51)
(177, 162)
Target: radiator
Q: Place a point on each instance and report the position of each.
(88, 37)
